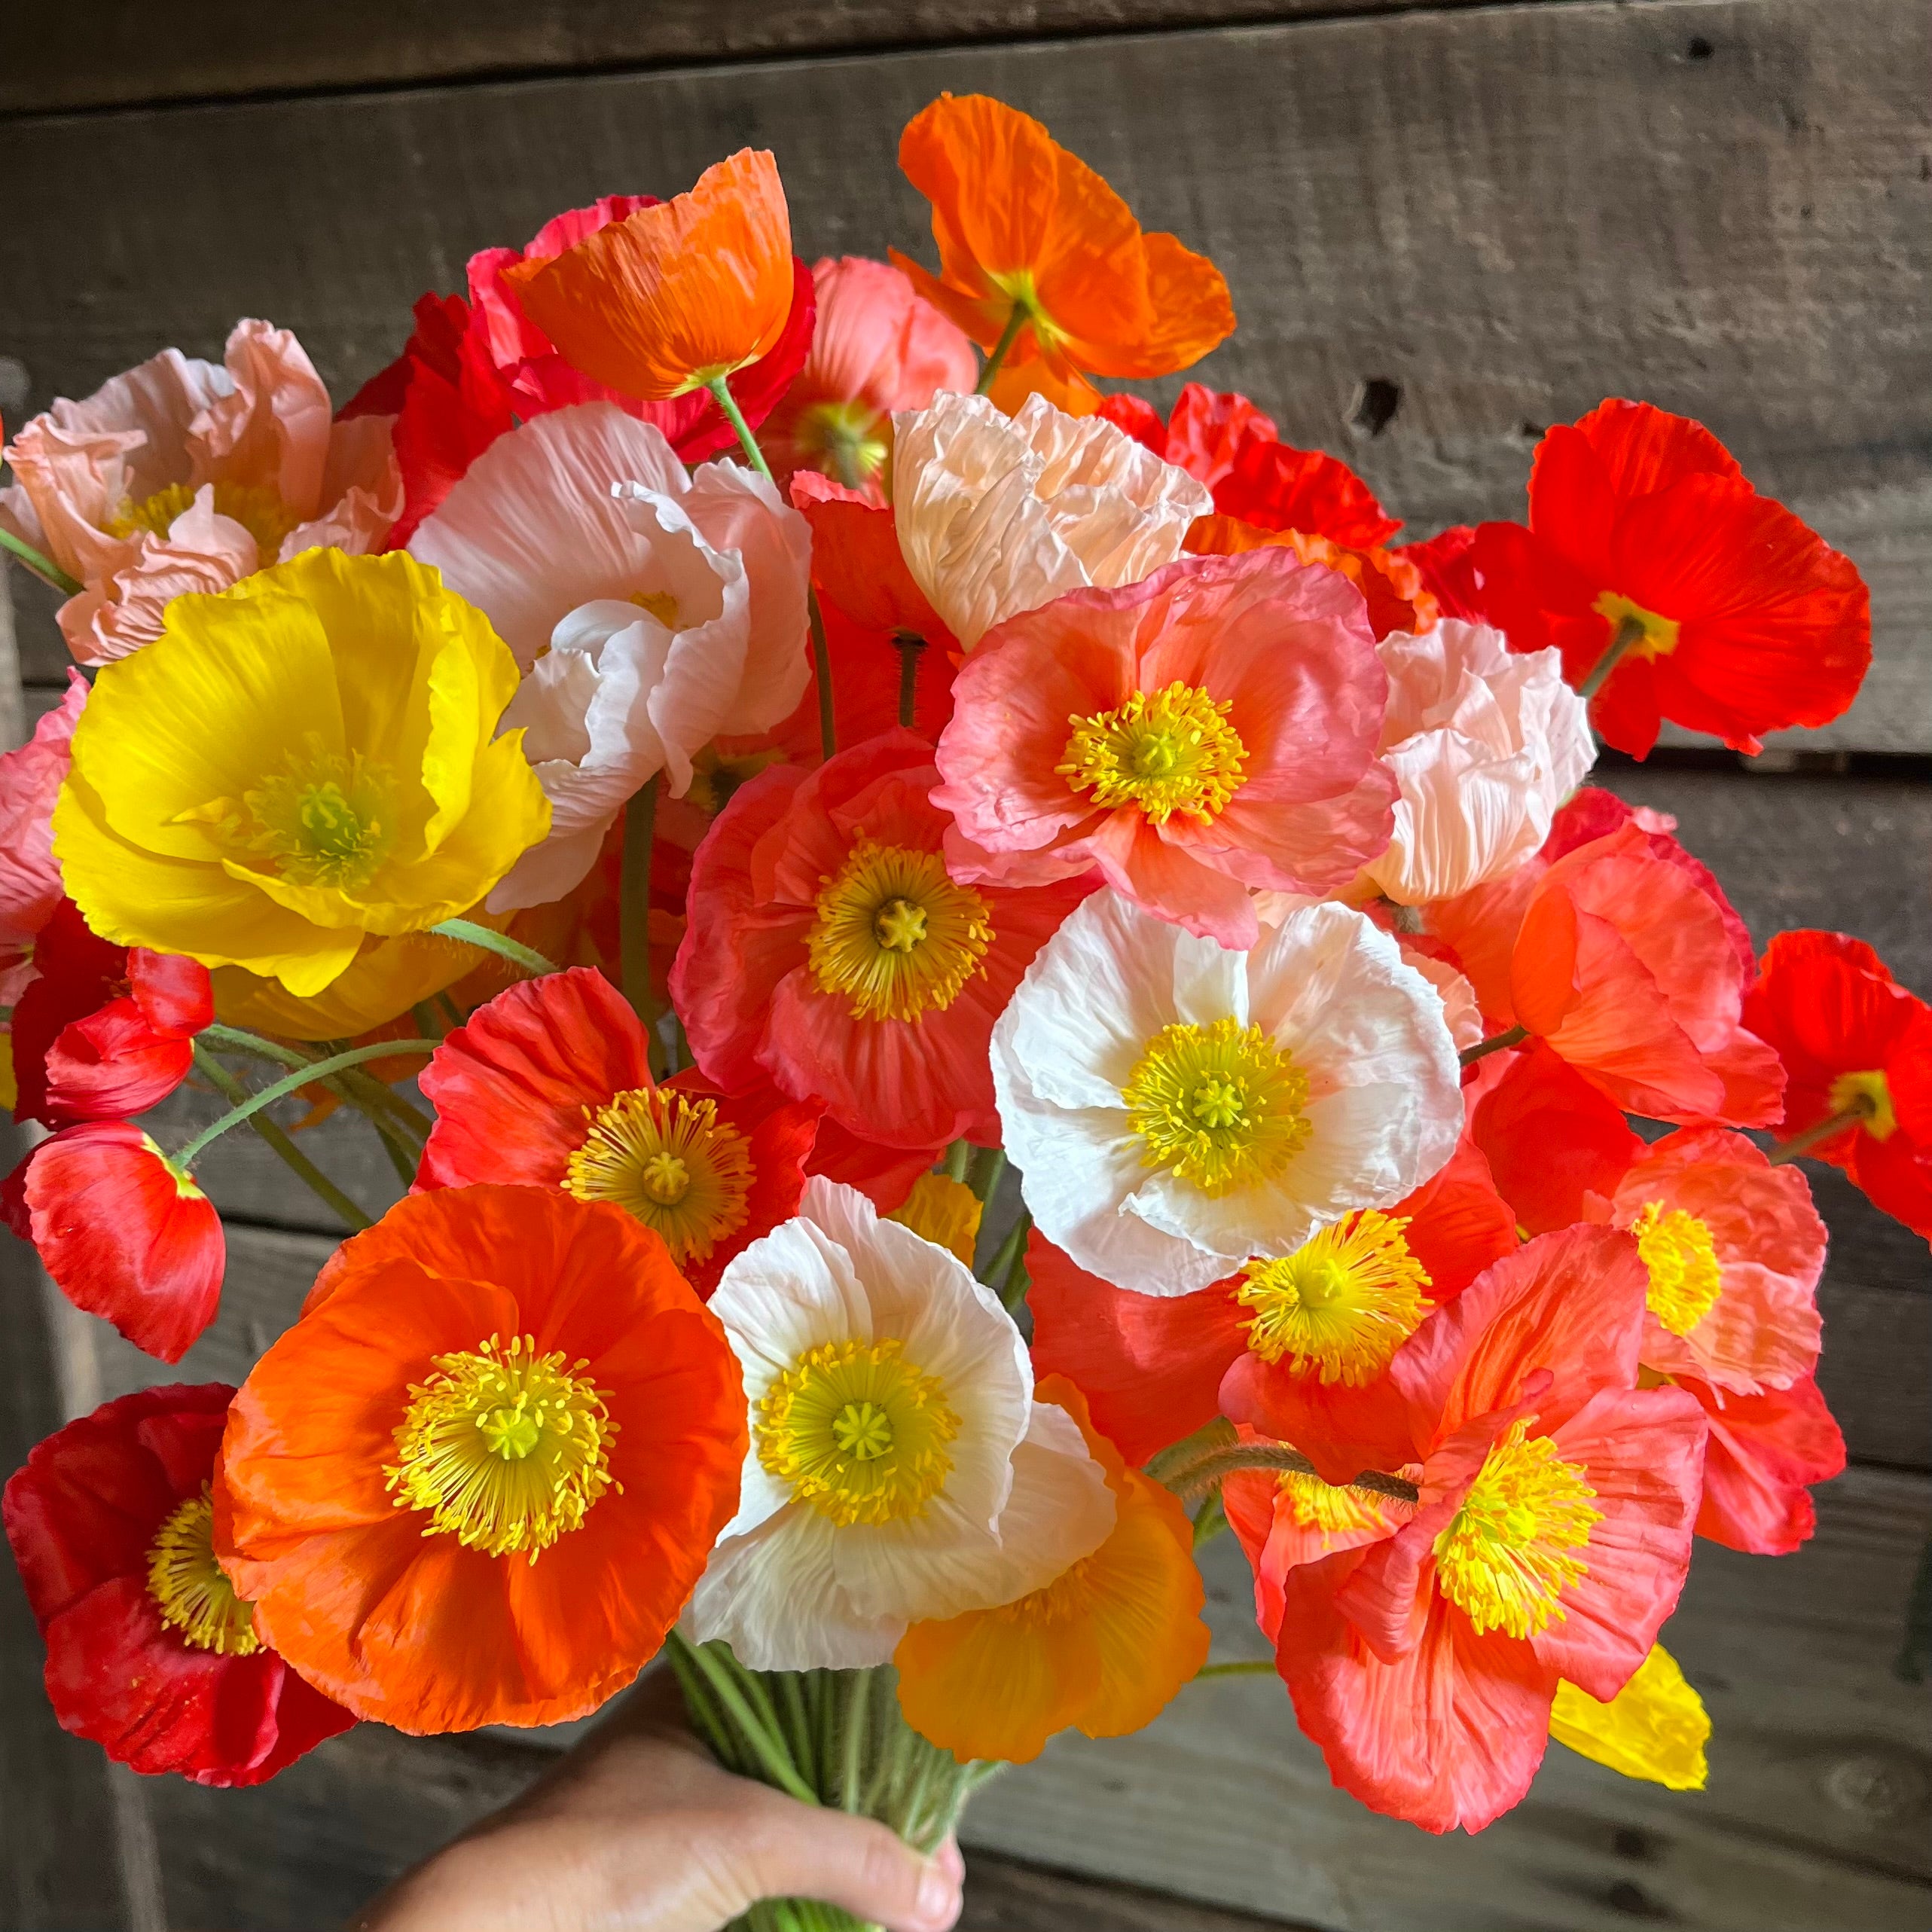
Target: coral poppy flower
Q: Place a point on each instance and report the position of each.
(1551, 1537)
(1103, 1649)
(267, 784)
(30, 888)
(475, 1482)
(1211, 729)
(1032, 240)
(831, 953)
(149, 1653)
(125, 1234)
(1767, 1453)
(550, 1085)
(878, 348)
(1295, 1347)
(672, 296)
(1391, 587)
(182, 476)
(1854, 1044)
(1725, 613)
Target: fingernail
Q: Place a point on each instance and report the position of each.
(938, 1897)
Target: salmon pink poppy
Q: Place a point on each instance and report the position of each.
(1768, 1451)
(30, 888)
(550, 1085)
(831, 952)
(475, 1482)
(1665, 579)
(149, 1653)
(1210, 730)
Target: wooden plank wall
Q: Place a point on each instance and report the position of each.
(1723, 206)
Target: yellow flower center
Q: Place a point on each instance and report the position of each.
(1217, 1105)
(895, 935)
(1658, 635)
(188, 1586)
(661, 605)
(859, 1432)
(854, 437)
(1870, 1093)
(1677, 1249)
(259, 511)
(669, 1161)
(1341, 1303)
(1163, 751)
(1505, 1556)
(507, 1449)
(1335, 1508)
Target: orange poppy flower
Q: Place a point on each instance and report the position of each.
(476, 1482)
(1391, 584)
(673, 296)
(1103, 1647)
(1028, 233)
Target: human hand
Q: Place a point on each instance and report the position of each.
(638, 1830)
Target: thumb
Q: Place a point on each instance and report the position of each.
(802, 1852)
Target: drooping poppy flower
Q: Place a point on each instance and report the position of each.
(1177, 1109)
(1768, 1451)
(1391, 588)
(184, 476)
(673, 297)
(129, 1055)
(30, 888)
(1551, 1539)
(76, 973)
(1856, 1045)
(476, 1481)
(1031, 239)
(1210, 729)
(900, 1468)
(149, 1653)
(1726, 614)
(1102, 1649)
(550, 1085)
(124, 1233)
(1655, 1728)
(831, 953)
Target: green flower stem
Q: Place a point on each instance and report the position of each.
(958, 1157)
(363, 1092)
(1495, 1043)
(1211, 1519)
(909, 644)
(1629, 631)
(1008, 1260)
(232, 1040)
(1008, 336)
(319, 1069)
(404, 1158)
(304, 1170)
(724, 1684)
(531, 961)
(1781, 1151)
(988, 1164)
(1191, 1479)
(452, 1013)
(371, 1097)
(44, 567)
(1248, 1667)
(822, 671)
(735, 417)
(633, 904)
(852, 1756)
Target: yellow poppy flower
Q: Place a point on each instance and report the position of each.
(1655, 1728)
(295, 765)
(944, 1211)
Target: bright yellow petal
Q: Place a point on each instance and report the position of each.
(10, 1091)
(384, 979)
(944, 1211)
(1655, 1728)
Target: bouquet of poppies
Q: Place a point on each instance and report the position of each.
(764, 747)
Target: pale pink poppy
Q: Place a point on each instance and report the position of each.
(182, 475)
(998, 514)
(651, 609)
(30, 888)
(1210, 730)
(878, 348)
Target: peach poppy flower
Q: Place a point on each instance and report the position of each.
(476, 1482)
(674, 297)
(30, 776)
(998, 514)
(1032, 239)
(1209, 730)
(1103, 1649)
(182, 476)
(878, 349)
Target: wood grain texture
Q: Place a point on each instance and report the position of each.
(1716, 204)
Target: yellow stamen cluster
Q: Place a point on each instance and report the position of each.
(895, 935)
(1870, 1094)
(1677, 1248)
(1341, 1303)
(323, 819)
(1658, 637)
(859, 1432)
(668, 1159)
(189, 1589)
(1336, 1509)
(1506, 1554)
(259, 511)
(507, 1449)
(1163, 751)
(661, 605)
(1219, 1105)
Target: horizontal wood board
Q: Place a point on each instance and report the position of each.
(1720, 205)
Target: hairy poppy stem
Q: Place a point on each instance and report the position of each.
(1781, 1151)
(822, 670)
(634, 902)
(1629, 631)
(304, 1170)
(1008, 336)
(910, 644)
(735, 417)
(1247, 1666)
(1188, 1480)
(531, 961)
(44, 567)
(1495, 1043)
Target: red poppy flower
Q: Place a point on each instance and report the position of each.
(125, 1234)
(1551, 1539)
(829, 952)
(1305, 1368)
(885, 1176)
(1727, 614)
(149, 1653)
(550, 1085)
(477, 1480)
(1553, 1140)
(857, 561)
(1446, 562)
(1854, 1042)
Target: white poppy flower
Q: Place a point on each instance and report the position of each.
(899, 1468)
(1176, 1108)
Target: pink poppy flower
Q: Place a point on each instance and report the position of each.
(1208, 731)
(30, 887)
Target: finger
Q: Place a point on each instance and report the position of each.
(799, 1852)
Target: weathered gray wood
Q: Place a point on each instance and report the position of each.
(1508, 213)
